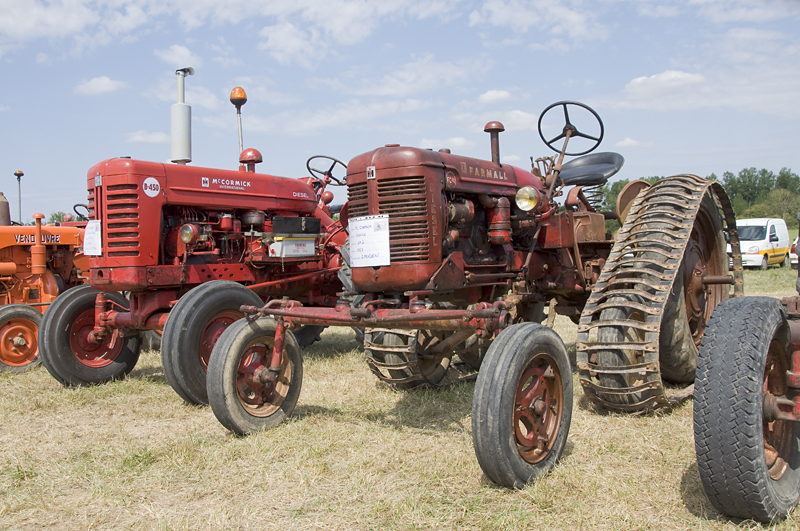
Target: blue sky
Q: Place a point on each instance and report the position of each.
(683, 86)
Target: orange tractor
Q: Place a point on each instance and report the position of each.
(37, 263)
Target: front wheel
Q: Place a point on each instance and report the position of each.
(193, 327)
(19, 344)
(241, 400)
(522, 405)
(747, 457)
(764, 264)
(65, 349)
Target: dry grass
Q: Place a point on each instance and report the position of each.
(131, 455)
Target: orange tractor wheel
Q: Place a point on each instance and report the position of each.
(19, 345)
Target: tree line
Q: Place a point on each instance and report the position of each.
(753, 193)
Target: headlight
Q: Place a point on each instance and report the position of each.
(527, 198)
(188, 234)
(753, 250)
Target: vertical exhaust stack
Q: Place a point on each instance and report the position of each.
(494, 129)
(181, 122)
(239, 98)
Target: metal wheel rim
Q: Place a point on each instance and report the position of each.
(261, 400)
(91, 355)
(212, 331)
(21, 330)
(538, 406)
(703, 257)
(778, 434)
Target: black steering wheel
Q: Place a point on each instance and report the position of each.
(329, 171)
(81, 217)
(570, 127)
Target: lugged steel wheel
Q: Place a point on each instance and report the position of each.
(647, 313)
(19, 343)
(400, 354)
(522, 405)
(747, 455)
(240, 398)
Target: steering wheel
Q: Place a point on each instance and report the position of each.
(569, 127)
(81, 217)
(329, 171)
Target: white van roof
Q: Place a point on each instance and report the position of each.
(755, 221)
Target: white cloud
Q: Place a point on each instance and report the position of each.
(630, 142)
(4, 108)
(569, 21)
(42, 58)
(455, 143)
(666, 84)
(750, 11)
(349, 115)
(493, 96)
(143, 137)
(179, 56)
(511, 158)
(423, 74)
(99, 85)
(287, 44)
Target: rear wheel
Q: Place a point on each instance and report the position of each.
(522, 405)
(65, 348)
(193, 327)
(402, 354)
(19, 344)
(241, 399)
(786, 261)
(748, 458)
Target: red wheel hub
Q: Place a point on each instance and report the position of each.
(88, 353)
(260, 396)
(18, 342)
(212, 331)
(778, 434)
(538, 405)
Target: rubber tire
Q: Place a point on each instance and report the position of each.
(764, 264)
(32, 319)
(222, 373)
(786, 261)
(728, 411)
(493, 403)
(677, 351)
(308, 335)
(54, 345)
(180, 345)
(151, 340)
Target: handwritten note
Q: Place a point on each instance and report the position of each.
(369, 241)
(92, 242)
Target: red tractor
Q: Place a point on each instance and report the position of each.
(189, 246)
(453, 261)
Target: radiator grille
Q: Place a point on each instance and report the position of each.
(405, 200)
(121, 206)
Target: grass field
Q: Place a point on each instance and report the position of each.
(355, 455)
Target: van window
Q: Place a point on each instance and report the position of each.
(752, 233)
(772, 231)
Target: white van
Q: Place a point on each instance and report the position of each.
(764, 241)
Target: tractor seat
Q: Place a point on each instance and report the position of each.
(591, 169)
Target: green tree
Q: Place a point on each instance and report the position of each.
(56, 217)
(778, 203)
(788, 180)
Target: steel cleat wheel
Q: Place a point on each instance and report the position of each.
(522, 405)
(19, 344)
(243, 394)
